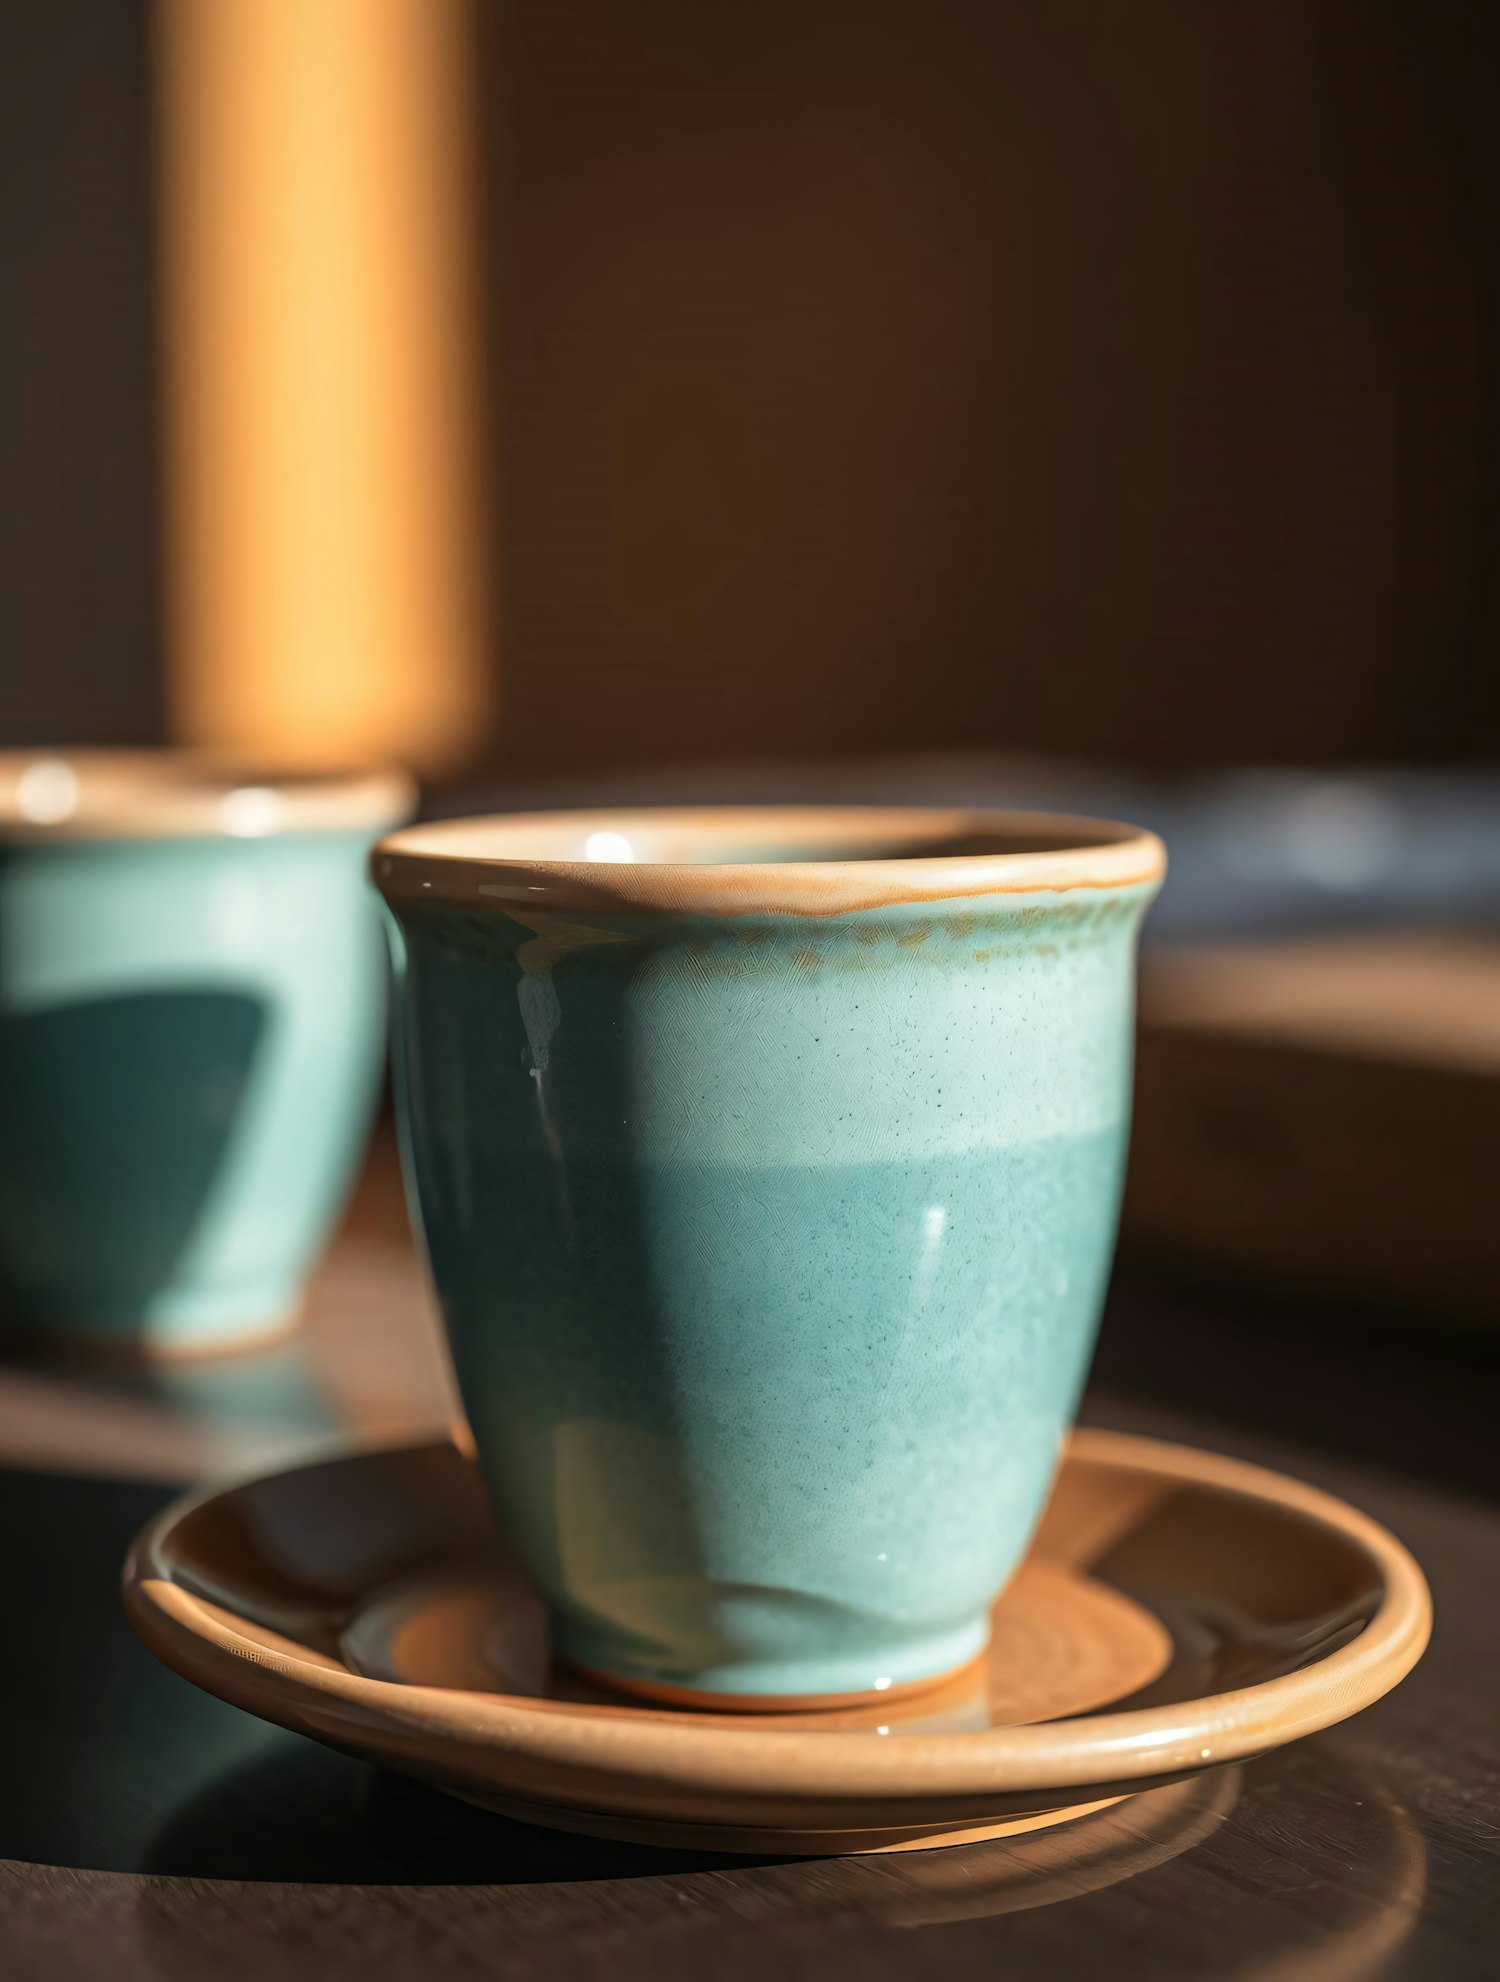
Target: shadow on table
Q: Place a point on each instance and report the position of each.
(302, 1814)
(101, 1741)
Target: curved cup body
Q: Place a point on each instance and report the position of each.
(771, 1251)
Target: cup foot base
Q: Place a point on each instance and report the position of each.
(704, 1700)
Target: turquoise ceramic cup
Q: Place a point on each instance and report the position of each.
(768, 1164)
(192, 1026)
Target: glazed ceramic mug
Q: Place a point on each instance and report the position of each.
(192, 1023)
(768, 1164)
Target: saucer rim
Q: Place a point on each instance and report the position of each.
(1132, 1746)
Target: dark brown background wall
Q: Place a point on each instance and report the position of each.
(79, 604)
(867, 376)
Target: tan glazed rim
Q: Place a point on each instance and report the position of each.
(662, 861)
(187, 794)
(721, 1757)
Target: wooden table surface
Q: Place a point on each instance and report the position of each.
(148, 1831)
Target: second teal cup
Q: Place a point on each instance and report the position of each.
(192, 1025)
(768, 1163)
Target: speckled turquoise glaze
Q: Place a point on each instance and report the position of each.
(191, 1032)
(771, 1249)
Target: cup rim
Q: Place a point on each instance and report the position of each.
(153, 794)
(532, 861)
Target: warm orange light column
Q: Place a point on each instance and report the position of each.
(320, 379)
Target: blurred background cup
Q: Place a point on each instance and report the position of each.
(191, 1033)
(768, 1162)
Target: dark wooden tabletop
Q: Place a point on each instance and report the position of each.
(148, 1831)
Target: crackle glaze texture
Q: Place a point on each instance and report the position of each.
(191, 1031)
(771, 1250)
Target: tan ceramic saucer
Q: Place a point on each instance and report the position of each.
(1177, 1611)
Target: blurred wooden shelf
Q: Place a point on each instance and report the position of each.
(1326, 1111)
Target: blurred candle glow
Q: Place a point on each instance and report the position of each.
(320, 378)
